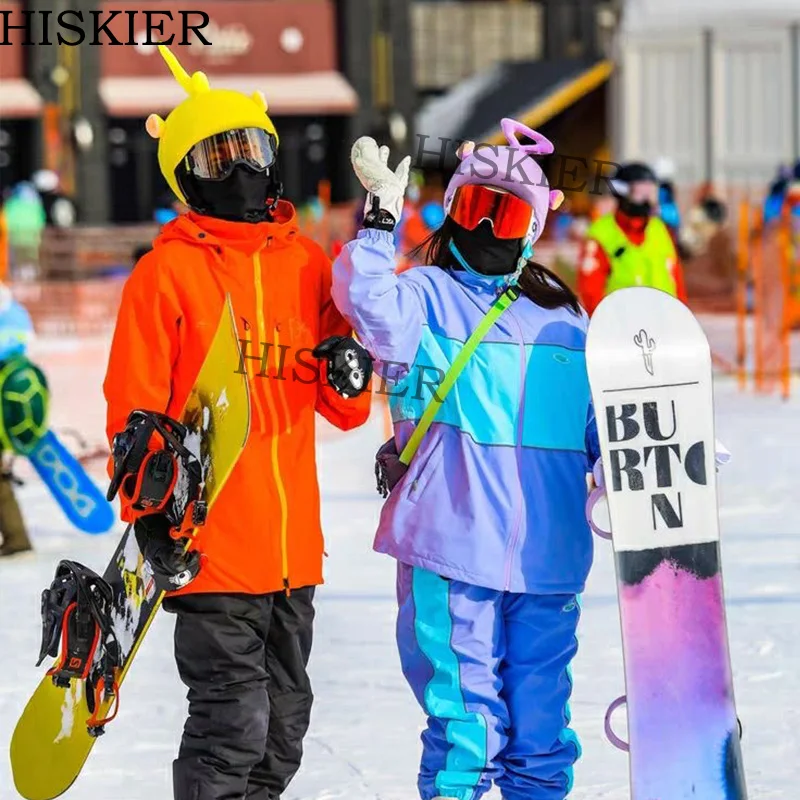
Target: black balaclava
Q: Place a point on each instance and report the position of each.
(483, 252)
(246, 195)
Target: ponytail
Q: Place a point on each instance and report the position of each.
(546, 289)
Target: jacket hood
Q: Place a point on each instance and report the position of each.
(248, 237)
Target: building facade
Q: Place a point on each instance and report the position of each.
(713, 86)
(543, 62)
(330, 71)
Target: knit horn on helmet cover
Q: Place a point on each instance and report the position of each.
(511, 168)
(205, 112)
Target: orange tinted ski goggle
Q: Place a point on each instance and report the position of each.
(510, 215)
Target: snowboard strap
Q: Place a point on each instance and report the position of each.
(503, 302)
(156, 473)
(78, 632)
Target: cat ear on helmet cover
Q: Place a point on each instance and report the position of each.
(465, 149)
(556, 199)
(260, 101)
(154, 126)
(541, 146)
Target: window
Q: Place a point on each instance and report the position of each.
(454, 40)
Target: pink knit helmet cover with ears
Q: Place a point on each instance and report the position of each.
(511, 168)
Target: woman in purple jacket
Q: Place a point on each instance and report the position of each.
(487, 525)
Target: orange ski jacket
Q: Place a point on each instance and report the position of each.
(264, 533)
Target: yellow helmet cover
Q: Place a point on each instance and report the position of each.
(205, 112)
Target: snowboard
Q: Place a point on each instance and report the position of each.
(51, 741)
(81, 501)
(650, 372)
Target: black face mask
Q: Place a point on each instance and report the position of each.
(484, 252)
(630, 209)
(246, 195)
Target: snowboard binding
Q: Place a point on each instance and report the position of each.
(78, 632)
(156, 473)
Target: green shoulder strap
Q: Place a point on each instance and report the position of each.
(439, 395)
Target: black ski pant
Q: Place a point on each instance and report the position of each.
(243, 658)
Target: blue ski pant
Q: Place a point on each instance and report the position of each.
(491, 671)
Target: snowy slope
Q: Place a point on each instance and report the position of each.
(364, 737)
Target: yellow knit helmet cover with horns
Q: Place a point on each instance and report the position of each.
(205, 112)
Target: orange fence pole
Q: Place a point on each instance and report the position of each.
(324, 194)
(759, 301)
(785, 244)
(743, 258)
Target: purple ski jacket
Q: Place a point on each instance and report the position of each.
(495, 495)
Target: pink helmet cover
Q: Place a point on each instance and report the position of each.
(511, 168)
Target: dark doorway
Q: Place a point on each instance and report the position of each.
(18, 138)
(136, 182)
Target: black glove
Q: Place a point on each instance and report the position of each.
(349, 364)
(172, 567)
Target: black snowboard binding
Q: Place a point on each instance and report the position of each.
(156, 473)
(77, 631)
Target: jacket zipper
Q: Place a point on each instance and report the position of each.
(273, 413)
(281, 392)
(512, 546)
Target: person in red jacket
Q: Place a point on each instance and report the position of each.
(638, 236)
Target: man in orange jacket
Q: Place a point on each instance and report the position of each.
(244, 621)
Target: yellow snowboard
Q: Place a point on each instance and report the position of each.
(51, 741)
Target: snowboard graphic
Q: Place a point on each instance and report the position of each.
(650, 372)
(51, 741)
(83, 503)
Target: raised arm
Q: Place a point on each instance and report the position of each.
(384, 309)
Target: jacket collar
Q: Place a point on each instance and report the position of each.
(246, 237)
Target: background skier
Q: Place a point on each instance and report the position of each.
(487, 524)
(16, 332)
(631, 246)
(244, 624)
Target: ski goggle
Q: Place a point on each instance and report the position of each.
(510, 215)
(214, 158)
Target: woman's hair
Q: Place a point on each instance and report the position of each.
(536, 282)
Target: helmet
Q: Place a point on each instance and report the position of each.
(621, 184)
(45, 180)
(205, 113)
(632, 172)
(432, 215)
(664, 169)
(509, 168)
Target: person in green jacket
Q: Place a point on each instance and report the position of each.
(25, 220)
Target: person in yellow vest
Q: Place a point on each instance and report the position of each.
(630, 246)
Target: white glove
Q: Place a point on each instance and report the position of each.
(370, 164)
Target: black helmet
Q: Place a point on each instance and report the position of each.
(626, 174)
(631, 172)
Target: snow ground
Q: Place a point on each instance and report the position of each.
(364, 736)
